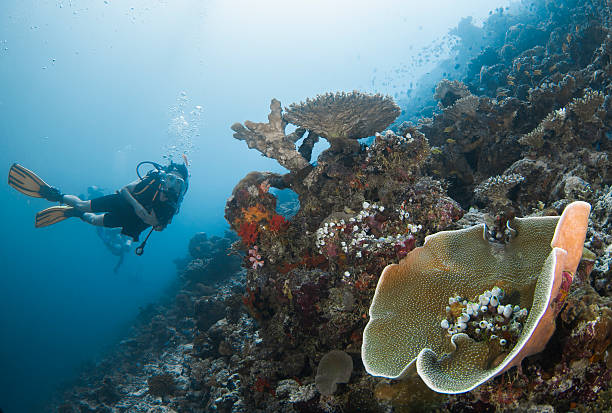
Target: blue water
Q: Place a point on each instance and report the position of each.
(90, 88)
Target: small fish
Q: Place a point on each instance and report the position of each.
(564, 47)
(510, 82)
(568, 37)
(518, 66)
(527, 72)
(449, 140)
(348, 210)
(436, 151)
(510, 77)
(537, 72)
(553, 67)
(502, 93)
(186, 160)
(449, 129)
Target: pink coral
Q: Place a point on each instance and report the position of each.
(255, 258)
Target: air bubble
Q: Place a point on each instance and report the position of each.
(183, 128)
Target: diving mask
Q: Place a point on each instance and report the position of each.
(173, 186)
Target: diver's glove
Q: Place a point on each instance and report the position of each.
(51, 193)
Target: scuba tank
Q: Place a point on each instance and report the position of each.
(172, 185)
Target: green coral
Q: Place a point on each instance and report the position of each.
(412, 297)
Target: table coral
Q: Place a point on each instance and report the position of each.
(411, 299)
(447, 92)
(495, 189)
(563, 124)
(341, 117)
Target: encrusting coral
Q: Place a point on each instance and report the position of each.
(405, 326)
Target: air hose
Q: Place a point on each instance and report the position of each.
(140, 250)
(154, 164)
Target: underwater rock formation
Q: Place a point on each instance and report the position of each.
(161, 385)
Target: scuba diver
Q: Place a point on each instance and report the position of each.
(117, 243)
(150, 201)
(93, 192)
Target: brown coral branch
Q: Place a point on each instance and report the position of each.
(270, 139)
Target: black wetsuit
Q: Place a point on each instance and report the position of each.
(120, 213)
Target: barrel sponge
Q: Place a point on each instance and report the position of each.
(411, 297)
(335, 367)
(340, 117)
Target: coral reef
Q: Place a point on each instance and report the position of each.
(210, 261)
(158, 367)
(521, 135)
(161, 385)
(562, 111)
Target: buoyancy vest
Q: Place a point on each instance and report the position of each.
(148, 191)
